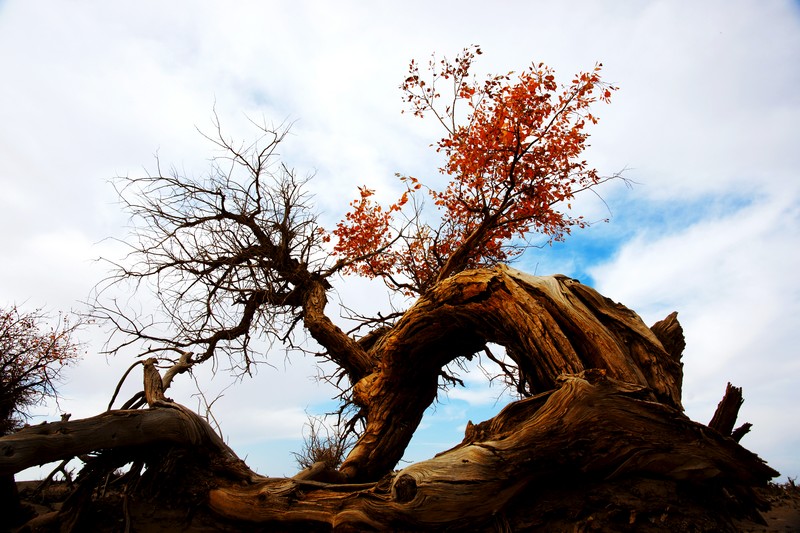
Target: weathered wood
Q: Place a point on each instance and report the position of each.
(670, 332)
(741, 431)
(341, 348)
(549, 325)
(727, 410)
(153, 384)
(592, 427)
(604, 409)
(54, 441)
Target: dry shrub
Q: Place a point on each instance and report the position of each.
(324, 443)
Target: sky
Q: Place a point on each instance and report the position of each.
(704, 123)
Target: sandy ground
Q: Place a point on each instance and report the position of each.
(784, 515)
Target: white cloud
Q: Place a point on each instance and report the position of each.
(707, 99)
(733, 280)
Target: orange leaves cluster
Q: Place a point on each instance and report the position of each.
(388, 243)
(512, 149)
(365, 233)
(518, 156)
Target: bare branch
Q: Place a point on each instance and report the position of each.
(234, 260)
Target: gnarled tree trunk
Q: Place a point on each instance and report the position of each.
(604, 424)
(549, 326)
(590, 428)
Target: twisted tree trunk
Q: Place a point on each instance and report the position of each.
(603, 427)
(549, 326)
(590, 428)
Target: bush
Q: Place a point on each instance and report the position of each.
(324, 443)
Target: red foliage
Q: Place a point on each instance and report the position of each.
(513, 160)
(31, 360)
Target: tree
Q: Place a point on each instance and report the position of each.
(32, 358)
(239, 255)
(31, 361)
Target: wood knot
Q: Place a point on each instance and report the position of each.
(405, 488)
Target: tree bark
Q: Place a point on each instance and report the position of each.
(590, 428)
(549, 325)
(47, 442)
(341, 348)
(153, 384)
(727, 411)
(741, 431)
(605, 410)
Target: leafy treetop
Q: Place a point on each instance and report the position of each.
(513, 159)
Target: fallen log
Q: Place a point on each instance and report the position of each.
(591, 428)
(54, 441)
